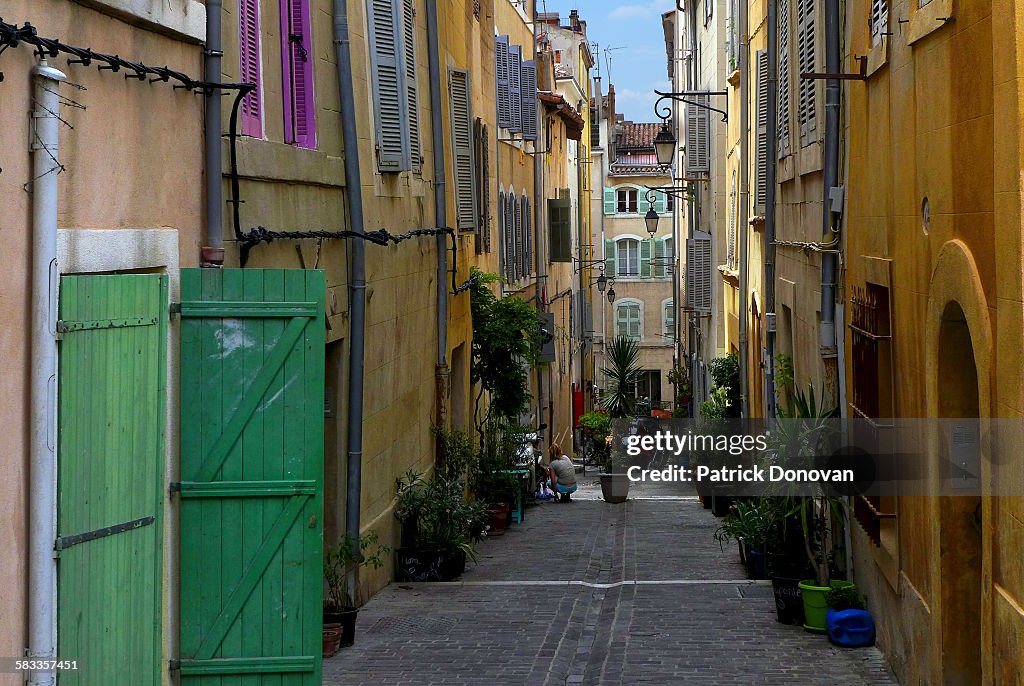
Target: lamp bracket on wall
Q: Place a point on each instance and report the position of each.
(664, 112)
(862, 75)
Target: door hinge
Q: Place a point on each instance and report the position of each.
(67, 541)
(175, 308)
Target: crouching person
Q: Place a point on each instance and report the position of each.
(561, 474)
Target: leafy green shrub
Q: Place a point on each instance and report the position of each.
(844, 598)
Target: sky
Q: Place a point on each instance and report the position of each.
(631, 32)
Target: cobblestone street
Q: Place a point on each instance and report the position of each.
(592, 593)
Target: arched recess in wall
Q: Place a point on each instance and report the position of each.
(958, 371)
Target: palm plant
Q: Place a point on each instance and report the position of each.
(622, 375)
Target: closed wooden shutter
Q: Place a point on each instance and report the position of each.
(390, 97)
(761, 150)
(659, 202)
(249, 66)
(609, 201)
(627, 320)
(646, 250)
(698, 159)
(670, 319)
(609, 258)
(527, 237)
(517, 222)
(297, 70)
(659, 258)
(730, 257)
(515, 96)
(560, 230)
(528, 87)
(643, 204)
(698, 272)
(784, 78)
(806, 49)
(502, 81)
(463, 168)
(482, 186)
(412, 99)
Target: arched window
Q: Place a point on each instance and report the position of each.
(629, 319)
(627, 252)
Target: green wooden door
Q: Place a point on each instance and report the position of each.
(112, 384)
(252, 414)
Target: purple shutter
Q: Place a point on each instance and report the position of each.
(249, 66)
(297, 70)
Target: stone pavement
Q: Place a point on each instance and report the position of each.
(592, 593)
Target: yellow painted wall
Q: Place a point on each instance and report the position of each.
(938, 118)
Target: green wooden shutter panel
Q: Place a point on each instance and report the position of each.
(463, 167)
(560, 230)
(610, 201)
(252, 351)
(111, 460)
(390, 94)
(660, 258)
(645, 258)
(659, 202)
(609, 258)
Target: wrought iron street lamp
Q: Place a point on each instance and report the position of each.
(602, 283)
(611, 294)
(651, 217)
(665, 145)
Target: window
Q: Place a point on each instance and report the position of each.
(626, 201)
(806, 49)
(669, 318)
(761, 138)
(734, 34)
(393, 71)
(709, 9)
(661, 259)
(527, 238)
(560, 230)
(783, 78)
(481, 144)
(516, 85)
(628, 320)
(627, 251)
(249, 66)
(879, 20)
(670, 256)
(670, 202)
(463, 165)
(297, 72)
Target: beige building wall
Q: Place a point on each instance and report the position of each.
(116, 160)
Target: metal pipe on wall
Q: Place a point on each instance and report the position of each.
(440, 201)
(539, 206)
(830, 175)
(769, 205)
(213, 251)
(42, 577)
(357, 283)
(744, 227)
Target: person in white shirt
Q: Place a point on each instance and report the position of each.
(561, 474)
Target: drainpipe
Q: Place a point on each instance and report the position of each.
(357, 284)
(213, 252)
(540, 254)
(830, 173)
(42, 577)
(744, 206)
(769, 207)
(440, 201)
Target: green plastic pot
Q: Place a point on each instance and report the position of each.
(815, 605)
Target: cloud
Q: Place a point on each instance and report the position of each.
(648, 10)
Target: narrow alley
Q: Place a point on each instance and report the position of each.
(592, 593)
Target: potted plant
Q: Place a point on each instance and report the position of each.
(756, 526)
(493, 479)
(340, 608)
(848, 622)
(596, 428)
(619, 402)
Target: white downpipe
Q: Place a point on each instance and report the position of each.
(42, 589)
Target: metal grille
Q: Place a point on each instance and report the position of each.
(415, 625)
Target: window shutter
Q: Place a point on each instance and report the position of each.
(609, 201)
(390, 97)
(609, 258)
(697, 138)
(249, 66)
(645, 258)
(503, 235)
(659, 202)
(659, 258)
(528, 86)
(485, 205)
(412, 99)
(297, 71)
(879, 20)
(482, 186)
(670, 319)
(698, 272)
(559, 229)
(517, 237)
(527, 238)
(806, 48)
(515, 97)
(463, 169)
(761, 151)
(783, 78)
(642, 203)
(633, 316)
(622, 321)
(501, 70)
(730, 258)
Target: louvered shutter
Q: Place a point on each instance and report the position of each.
(412, 99)
(698, 159)
(670, 319)
(879, 20)
(622, 321)
(659, 202)
(390, 97)
(730, 258)
(783, 78)
(645, 258)
(528, 86)
(698, 272)
(503, 231)
(659, 258)
(515, 96)
(609, 258)
(501, 76)
(527, 237)
(249, 66)
(560, 230)
(806, 49)
(297, 71)
(761, 141)
(642, 203)
(482, 186)
(610, 201)
(517, 237)
(463, 168)
(633, 329)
